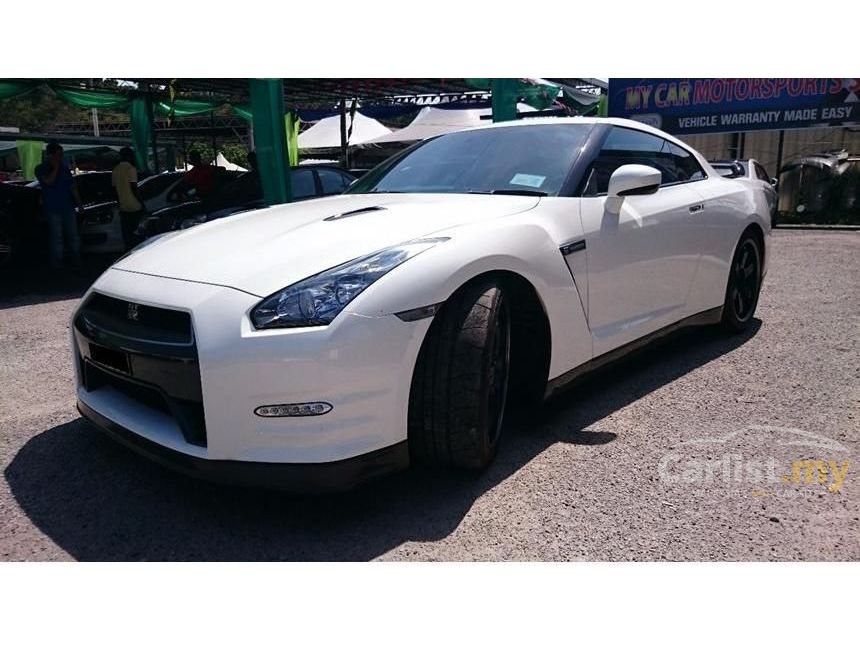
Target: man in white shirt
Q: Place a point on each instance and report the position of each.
(124, 180)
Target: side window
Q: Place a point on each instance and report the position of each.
(333, 183)
(627, 146)
(687, 167)
(302, 182)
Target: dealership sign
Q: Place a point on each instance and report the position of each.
(690, 105)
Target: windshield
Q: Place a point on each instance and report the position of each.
(531, 159)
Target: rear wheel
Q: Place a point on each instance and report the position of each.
(460, 386)
(743, 287)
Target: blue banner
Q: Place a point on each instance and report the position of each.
(694, 105)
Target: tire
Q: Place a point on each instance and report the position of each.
(459, 388)
(743, 286)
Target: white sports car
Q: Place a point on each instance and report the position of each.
(316, 345)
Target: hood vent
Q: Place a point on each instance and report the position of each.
(358, 211)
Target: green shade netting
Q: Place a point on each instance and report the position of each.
(267, 106)
(29, 156)
(603, 106)
(184, 107)
(91, 98)
(537, 93)
(243, 111)
(141, 131)
(291, 123)
(11, 89)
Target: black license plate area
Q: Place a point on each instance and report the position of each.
(111, 358)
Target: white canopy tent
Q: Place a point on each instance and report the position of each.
(221, 160)
(432, 121)
(325, 133)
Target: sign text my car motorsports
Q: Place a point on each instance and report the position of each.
(692, 105)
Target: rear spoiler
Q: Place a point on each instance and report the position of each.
(730, 171)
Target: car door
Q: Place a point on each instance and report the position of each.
(641, 260)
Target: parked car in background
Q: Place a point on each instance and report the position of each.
(244, 194)
(23, 229)
(159, 191)
(821, 189)
(752, 171)
(22, 224)
(317, 344)
(93, 187)
(101, 230)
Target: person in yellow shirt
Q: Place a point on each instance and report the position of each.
(124, 180)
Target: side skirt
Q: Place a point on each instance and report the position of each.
(707, 317)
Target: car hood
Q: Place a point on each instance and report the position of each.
(263, 251)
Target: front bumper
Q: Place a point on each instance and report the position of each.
(361, 365)
(337, 476)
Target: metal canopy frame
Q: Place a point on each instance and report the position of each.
(311, 92)
(273, 95)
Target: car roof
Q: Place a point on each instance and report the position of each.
(584, 120)
(592, 120)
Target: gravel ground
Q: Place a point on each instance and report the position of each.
(676, 454)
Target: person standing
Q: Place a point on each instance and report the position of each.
(201, 177)
(124, 180)
(60, 200)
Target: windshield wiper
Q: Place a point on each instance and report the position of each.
(519, 191)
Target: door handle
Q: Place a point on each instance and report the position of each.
(697, 208)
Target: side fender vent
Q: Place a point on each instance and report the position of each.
(358, 211)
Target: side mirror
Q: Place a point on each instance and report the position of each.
(634, 179)
(629, 180)
(774, 182)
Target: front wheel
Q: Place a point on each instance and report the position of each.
(743, 286)
(460, 385)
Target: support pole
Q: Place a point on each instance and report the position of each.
(504, 99)
(344, 147)
(214, 137)
(149, 107)
(779, 148)
(141, 124)
(734, 146)
(270, 138)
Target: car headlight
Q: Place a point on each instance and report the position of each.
(317, 300)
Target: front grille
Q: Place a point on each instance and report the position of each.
(133, 320)
(187, 414)
(151, 359)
